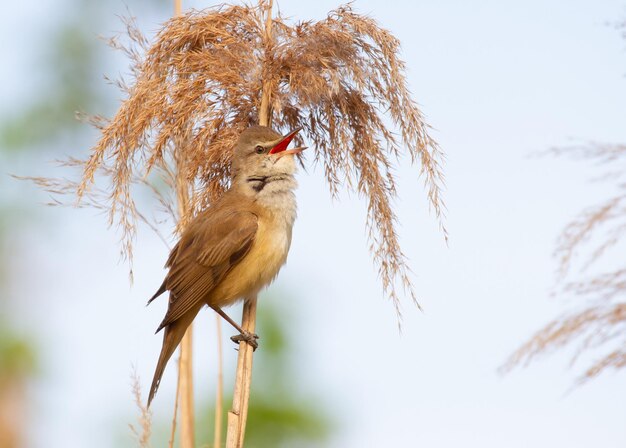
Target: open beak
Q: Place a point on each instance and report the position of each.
(280, 149)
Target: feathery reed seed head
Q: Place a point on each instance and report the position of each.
(600, 325)
(198, 86)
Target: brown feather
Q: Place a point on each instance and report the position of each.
(171, 338)
(210, 247)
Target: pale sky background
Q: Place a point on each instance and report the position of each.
(498, 80)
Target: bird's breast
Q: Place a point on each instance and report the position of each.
(262, 263)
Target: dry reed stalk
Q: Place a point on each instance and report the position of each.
(187, 434)
(238, 415)
(599, 325)
(219, 396)
(185, 373)
(175, 413)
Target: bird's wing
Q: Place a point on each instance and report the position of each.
(168, 264)
(209, 249)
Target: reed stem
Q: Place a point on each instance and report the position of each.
(219, 396)
(238, 415)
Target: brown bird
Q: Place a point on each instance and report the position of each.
(235, 247)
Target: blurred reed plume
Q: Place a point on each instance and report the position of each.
(145, 415)
(599, 326)
(199, 85)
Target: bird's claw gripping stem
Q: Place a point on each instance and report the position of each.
(246, 336)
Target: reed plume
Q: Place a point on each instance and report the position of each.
(198, 86)
(598, 327)
(145, 416)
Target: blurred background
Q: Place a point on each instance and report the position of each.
(498, 81)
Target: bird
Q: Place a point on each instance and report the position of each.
(235, 247)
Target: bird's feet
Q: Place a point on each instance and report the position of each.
(246, 336)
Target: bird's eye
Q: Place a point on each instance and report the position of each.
(259, 149)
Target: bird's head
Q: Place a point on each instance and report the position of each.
(262, 152)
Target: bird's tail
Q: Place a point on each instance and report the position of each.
(172, 336)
